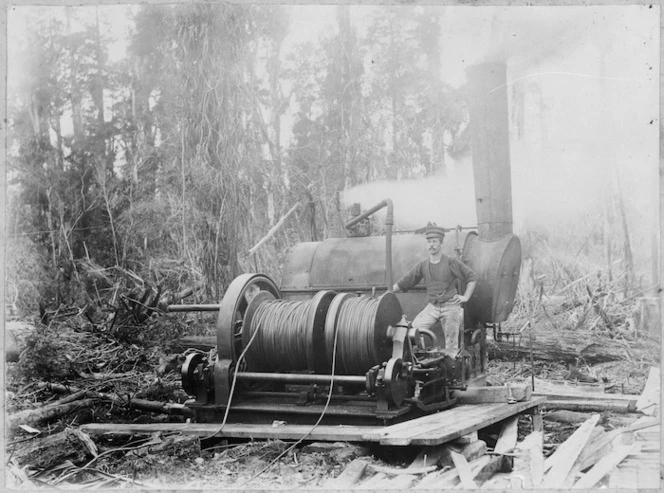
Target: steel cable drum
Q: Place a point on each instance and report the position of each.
(361, 324)
(285, 335)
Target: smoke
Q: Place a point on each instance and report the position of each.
(448, 199)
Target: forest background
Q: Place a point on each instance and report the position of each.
(157, 144)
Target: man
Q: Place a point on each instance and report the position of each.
(441, 274)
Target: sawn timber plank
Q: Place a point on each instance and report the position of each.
(449, 424)
(235, 430)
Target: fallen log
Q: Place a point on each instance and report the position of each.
(15, 336)
(43, 453)
(39, 416)
(201, 343)
(85, 399)
(566, 416)
(591, 406)
(553, 346)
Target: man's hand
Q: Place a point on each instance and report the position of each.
(396, 288)
(457, 298)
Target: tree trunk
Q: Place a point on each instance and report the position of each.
(594, 406)
(556, 346)
(36, 417)
(627, 248)
(202, 343)
(77, 118)
(44, 453)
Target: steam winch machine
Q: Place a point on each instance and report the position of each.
(346, 356)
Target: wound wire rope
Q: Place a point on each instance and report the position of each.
(355, 329)
(284, 339)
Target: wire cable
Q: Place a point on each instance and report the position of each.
(320, 418)
(285, 337)
(356, 324)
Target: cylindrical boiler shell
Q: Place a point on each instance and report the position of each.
(498, 264)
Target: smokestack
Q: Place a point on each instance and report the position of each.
(490, 147)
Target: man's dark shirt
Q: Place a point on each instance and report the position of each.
(439, 278)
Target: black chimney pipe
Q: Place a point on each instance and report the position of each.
(490, 144)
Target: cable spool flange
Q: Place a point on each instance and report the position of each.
(388, 315)
(316, 318)
(232, 310)
(331, 329)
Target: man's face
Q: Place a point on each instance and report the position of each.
(434, 245)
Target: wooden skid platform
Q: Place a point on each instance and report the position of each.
(447, 425)
(433, 429)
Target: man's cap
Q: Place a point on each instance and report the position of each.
(433, 231)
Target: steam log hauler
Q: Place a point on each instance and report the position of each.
(442, 275)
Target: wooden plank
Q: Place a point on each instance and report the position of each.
(462, 467)
(508, 436)
(457, 414)
(449, 424)
(397, 483)
(499, 481)
(604, 466)
(624, 479)
(440, 455)
(371, 482)
(599, 447)
(592, 452)
(348, 476)
(645, 422)
(445, 478)
(486, 415)
(495, 394)
(648, 403)
(466, 439)
(425, 423)
(529, 460)
(396, 471)
(538, 422)
(429, 456)
(235, 430)
(496, 463)
(562, 460)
